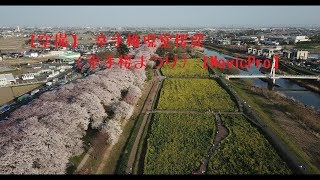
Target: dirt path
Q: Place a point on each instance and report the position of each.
(222, 132)
(106, 155)
(84, 160)
(147, 106)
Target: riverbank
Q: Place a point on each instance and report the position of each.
(314, 86)
(295, 124)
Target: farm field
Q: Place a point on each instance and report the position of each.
(13, 44)
(7, 94)
(177, 143)
(193, 68)
(194, 94)
(245, 151)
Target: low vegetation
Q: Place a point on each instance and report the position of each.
(194, 94)
(245, 151)
(178, 143)
(192, 68)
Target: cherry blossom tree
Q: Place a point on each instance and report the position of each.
(42, 136)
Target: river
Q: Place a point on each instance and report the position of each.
(304, 95)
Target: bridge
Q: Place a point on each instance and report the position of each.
(272, 75)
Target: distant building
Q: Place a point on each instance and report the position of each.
(255, 39)
(254, 51)
(225, 41)
(27, 76)
(268, 53)
(31, 54)
(278, 48)
(238, 43)
(53, 74)
(295, 54)
(271, 43)
(302, 54)
(53, 53)
(6, 79)
(69, 57)
(45, 71)
(301, 39)
(64, 67)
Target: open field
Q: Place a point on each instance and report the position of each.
(21, 61)
(15, 44)
(193, 68)
(245, 151)
(177, 143)
(194, 94)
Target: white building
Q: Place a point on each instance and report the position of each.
(272, 43)
(268, 53)
(278, 48)
(31, 54)
(301, 39)
(254, 51)
(6, 79)
(302, 54)
(296, 54)
(53, 53)
(45, 71)
(225, 41)
(255, 39)
(53, 74)
(52, 67)
(65, 67)
(27, 76)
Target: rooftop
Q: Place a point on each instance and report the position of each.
(8, 77)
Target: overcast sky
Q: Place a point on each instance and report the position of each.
(115, 16)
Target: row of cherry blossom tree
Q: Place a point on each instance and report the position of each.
(41, 137)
